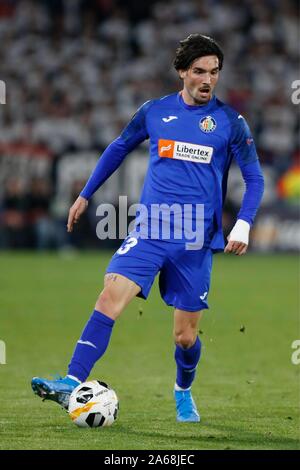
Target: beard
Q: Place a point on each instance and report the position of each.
(201, 96)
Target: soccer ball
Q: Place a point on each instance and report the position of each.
(93, 404)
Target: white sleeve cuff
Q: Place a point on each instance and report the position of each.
(240, 232)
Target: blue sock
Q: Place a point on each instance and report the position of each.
(91, 346)
(187, 360)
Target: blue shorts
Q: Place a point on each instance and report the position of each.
(184, 278)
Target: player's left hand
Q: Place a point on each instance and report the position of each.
(238, 239)
(238, 248)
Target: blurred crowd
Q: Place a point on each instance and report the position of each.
(77, 70)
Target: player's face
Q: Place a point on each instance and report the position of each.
(200, 80)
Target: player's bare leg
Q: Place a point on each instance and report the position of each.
(187, 355)
(118, 291)
(117, 294)
(186, 326)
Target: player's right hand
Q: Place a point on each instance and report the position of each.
(76, 211)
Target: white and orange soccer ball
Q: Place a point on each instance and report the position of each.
(93, 404)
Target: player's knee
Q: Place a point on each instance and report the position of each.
(185, 339)
(108, 305)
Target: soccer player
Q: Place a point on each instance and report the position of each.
(193, 139)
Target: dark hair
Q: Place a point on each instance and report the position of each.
(195, 46)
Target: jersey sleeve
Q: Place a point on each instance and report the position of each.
(134, 133)
(254, 181)
(243, 149)
(241, 142)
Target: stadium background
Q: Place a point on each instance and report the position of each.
(75, 72)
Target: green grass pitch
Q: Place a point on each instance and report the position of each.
(247, 388)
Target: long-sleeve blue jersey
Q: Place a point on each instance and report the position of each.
(191, 150)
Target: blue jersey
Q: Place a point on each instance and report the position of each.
(191, 150)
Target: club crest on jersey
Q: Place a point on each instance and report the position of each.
(207, 124)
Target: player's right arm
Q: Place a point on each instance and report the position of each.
(133, 134)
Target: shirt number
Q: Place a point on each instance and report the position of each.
(129, 243)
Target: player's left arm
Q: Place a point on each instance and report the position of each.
(243, 148)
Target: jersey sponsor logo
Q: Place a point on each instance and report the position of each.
(170, 118)
(184, 151)
(165, 149)
(207, 124)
